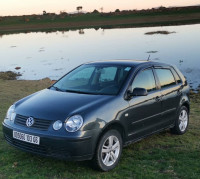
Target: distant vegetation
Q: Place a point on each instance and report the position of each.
(117, 12)
(96, 19)
(79, 8)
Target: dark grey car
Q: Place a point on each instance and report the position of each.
(99, 107)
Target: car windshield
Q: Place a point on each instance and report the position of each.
(94, 79)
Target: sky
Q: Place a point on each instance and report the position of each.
(22, 7)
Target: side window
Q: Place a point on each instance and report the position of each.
(145, 79)
(108, 74)
(165, 77)
(176, 76)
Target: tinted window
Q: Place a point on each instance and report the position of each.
(176, 76)
(165, 77)
(145, 79)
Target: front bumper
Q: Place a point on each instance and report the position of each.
(81, 148)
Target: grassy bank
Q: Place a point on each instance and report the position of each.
(160, 156)
(64, 21)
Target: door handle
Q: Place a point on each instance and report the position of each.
(158, 98)
(179, 91)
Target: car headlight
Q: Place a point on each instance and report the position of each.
(11, 113)
(74, 123)
(57, 125)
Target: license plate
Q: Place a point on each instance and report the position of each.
(26, 137)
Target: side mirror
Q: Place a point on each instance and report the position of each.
(138, 92)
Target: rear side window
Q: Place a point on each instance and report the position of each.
(145, 79)
(165, 77)
(176, 76)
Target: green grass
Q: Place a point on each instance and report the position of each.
(160, 156)
(33, 19)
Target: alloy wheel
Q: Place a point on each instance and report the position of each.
(183, 120)
(110, 150)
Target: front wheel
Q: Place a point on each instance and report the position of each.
(182, 121)
(108, 151)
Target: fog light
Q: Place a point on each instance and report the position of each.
(57, 125)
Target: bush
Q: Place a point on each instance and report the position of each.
(9, 75)
(95, 12)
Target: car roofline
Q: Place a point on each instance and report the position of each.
(128, 62)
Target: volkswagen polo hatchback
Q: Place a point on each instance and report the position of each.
(99, 107)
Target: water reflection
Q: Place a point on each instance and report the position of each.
(81, 31)
(52, 54)
(152, 51)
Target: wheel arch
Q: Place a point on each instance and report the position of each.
(110, 126)
(186, 104)
(114, 125)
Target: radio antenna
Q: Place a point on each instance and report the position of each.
(148, 58)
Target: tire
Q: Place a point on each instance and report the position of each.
(108, 151)
(182, 121)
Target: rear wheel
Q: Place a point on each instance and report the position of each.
(108, 151)
(182, 121)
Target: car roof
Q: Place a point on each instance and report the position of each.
(132, 63)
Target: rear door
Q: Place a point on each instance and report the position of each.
(170, 91)
(144, 111)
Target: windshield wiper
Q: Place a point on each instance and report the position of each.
(80, 92)
(57, 89)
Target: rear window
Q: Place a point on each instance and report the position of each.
(165, 77)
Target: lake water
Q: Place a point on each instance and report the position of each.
(53, 54)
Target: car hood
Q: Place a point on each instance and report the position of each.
(56, 105)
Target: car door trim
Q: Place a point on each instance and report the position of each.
(146, 118)
(144, 136)
(162, 113)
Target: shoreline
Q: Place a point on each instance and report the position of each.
(102, 22)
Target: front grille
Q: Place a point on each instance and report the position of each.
(26, 146)
(41, 124)
(57, 152)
